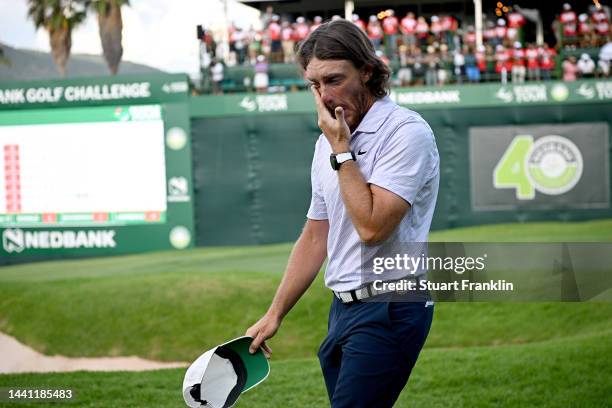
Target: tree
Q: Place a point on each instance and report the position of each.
(3, 59)
(110, 27)
(59, 18)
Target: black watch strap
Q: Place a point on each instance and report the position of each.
(336, 160)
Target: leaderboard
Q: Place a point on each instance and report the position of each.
(82, 166)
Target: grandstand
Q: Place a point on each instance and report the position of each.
(452, 45)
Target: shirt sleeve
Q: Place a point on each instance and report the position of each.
(406, 160)
(317, 209)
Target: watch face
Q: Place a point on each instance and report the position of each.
(333, 161)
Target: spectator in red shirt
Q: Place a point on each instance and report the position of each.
(436, 28)
(408, 29)
(601, 27)
(422, 32)
(375, 32)
(274, 34)
(586, 32)
(318, 20)
(481, 59)
(288, 42)
(391, 28)
(516, 21)
(500, 32)
(568, 22)
(547, 60)
(488, 34)
(358, 22)
(469, 37)
(599, 15)
(449, 28)
(382, 57)
(533, 66)
(301, 30)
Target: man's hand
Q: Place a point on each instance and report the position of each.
(336, 130)
(265, 328)
(304, 263)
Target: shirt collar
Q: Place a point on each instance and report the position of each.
(375, 116)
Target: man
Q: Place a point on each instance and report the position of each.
(518, 64)
(274, 35)
(375, 32)
(358, 22)
(547, 61)
(408, 29)
(533, 67)
(586, 66)
(288, 42)
(391, 29)
(382, 189)
(516, 21)
(568, 20)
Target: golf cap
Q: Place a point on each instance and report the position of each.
(218, 377)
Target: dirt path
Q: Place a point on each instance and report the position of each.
(16, 357)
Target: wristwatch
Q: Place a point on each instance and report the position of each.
(336, 160)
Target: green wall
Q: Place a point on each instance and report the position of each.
(252, 154)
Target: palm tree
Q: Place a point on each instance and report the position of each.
(58, 17)
(110, 26)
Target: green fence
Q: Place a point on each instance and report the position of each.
(252, 156)
(538, 151)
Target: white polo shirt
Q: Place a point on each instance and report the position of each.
(396, 150)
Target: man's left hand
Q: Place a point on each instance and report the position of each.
(335, 130)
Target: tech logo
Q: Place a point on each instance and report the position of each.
(554, 165)
(17, 240)
(13, 240)
(551, 165)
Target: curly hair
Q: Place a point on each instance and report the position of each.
(343, 40)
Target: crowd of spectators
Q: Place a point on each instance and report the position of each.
(438, 49)
(589, 29)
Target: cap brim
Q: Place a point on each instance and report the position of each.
(257, 365)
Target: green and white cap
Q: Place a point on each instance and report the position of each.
(218, 377)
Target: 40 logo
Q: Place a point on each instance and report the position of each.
(551, 165)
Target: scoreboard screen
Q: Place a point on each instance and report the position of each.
(92, 166)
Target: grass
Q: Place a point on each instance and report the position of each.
(174, 305)
(568, 372)
(588, 231)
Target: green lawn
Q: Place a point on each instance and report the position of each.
(175, 305)
(568, 372)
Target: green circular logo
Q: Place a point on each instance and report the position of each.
(559, 92)
(554, 165)
(180, 237)
(176, 138)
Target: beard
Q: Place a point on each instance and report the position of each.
(356, 107)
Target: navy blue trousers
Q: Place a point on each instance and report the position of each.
(370, 350)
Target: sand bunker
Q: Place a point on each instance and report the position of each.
(16, 357)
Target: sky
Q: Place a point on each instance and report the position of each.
(158, 33)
